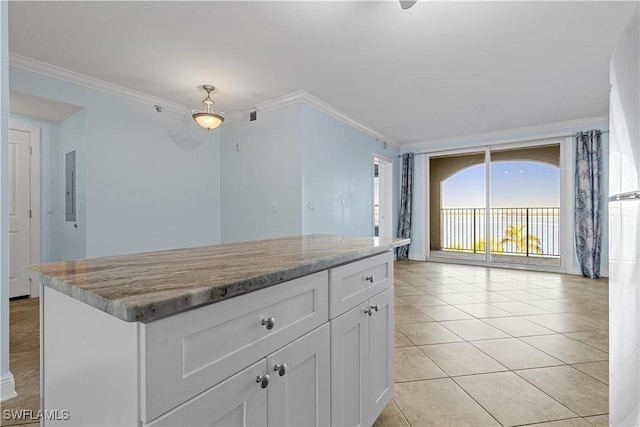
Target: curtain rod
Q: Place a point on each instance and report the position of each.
(528, 140)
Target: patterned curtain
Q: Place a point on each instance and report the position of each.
(406, 199)
(588, 203)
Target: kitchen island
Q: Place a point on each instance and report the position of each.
(289, 331)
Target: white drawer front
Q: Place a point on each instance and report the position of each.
(186, 354)
(238, 401)
(352, 284)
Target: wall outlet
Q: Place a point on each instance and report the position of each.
(274, 207)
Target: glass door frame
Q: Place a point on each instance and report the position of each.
(565, 240)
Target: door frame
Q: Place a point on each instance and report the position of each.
(566, 201)
(34, 196)
(385, 165)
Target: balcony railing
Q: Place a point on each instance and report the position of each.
(513, 231)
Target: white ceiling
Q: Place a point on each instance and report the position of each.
(437, 70)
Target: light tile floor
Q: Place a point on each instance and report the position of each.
(475, 346)
(479, 346)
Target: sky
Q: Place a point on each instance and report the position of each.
(513, 184)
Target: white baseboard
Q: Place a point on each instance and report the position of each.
(7, 387)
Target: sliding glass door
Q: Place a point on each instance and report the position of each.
(505, 213)
(525, 206)
(457, 199)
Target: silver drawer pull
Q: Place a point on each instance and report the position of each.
(369, 310)
(263, 380)
(369, 278)
(280, 369)
(269, 323)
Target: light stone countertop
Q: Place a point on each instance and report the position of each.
(148, 286)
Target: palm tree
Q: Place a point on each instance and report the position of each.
(523, 242)
(496, 246)
(479, 246)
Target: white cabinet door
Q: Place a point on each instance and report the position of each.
(350, 368)
(299, 391)
(362, 361)
(238, 401)
(380, 352)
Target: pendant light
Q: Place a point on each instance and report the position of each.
(208, 119)
(406, 4)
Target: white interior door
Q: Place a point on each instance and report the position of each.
(19, 205)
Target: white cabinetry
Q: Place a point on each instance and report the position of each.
(352, 284)
(299, 387)
(362, 352)
(381, 326)
(288, 388)
(272, 357)
(186, 354)
(237, 401)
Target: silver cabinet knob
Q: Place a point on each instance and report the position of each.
(369, 278)
(369, 310)
(280, 369)
(263, 380)
(269, 323)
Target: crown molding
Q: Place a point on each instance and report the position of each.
(69, 76)
(320, 105)
(509, 135)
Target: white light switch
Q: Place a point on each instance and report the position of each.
(48, 209)
(310, 206)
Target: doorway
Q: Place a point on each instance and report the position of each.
(498, 206)
(24, 207)
(382, 196)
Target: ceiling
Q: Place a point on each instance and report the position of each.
(437, 70)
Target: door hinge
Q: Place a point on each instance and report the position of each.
(29, 213)
(30, 150)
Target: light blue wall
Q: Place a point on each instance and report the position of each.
(261, 166)
(337, 163)
(50, 187)
(151, 179)
(293, 156)
(72, 136)
(420, 207)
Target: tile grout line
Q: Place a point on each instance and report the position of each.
(552, 332)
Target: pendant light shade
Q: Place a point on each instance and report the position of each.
(208, 119)
(406, 4)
